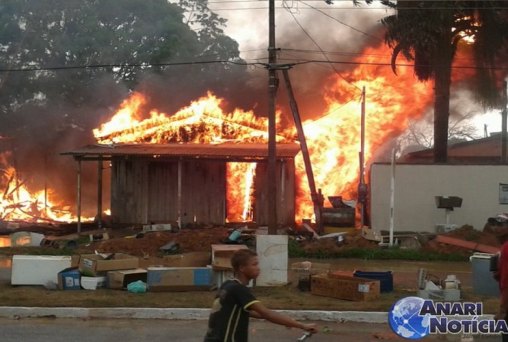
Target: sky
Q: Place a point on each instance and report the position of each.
(314, 25)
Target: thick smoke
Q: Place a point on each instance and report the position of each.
(40, 133)
(301, 34)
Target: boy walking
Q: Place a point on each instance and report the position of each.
(234, 304)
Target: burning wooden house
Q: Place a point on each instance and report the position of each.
(192, 183)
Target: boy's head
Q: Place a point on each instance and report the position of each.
(245, 261)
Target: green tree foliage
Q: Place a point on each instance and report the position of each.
(76, 33)
(55, 107)
(208, 26)
(430, 32)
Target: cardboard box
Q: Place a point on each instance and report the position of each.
(301, 272)
(69, 279)
(221, 256)
(179, 278)
(94, 264)
(75, 260)
(191, 259)
(344, 287)
(120, 279)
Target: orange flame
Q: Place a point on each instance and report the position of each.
(333, 139)
(203, 121)
(240, 198)
(18, 203)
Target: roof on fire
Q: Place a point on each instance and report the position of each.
(192, 150)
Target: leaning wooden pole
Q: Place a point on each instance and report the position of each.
(316, 198)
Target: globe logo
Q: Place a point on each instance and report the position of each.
(405, 321)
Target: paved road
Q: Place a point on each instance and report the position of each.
(65, 330)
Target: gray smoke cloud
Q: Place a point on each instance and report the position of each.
(303, 30)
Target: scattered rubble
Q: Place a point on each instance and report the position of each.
(134, 241)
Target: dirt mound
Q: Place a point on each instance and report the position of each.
(466, 233)
(149, 244)
(332, 245)
(194, 239)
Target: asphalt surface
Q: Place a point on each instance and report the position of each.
(125, 330)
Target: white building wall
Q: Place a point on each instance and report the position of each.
(417, 185)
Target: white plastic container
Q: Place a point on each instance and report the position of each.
(37, 269)
(273, 259)
(483, 280)
(92, 283)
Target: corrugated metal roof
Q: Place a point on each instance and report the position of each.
(222, 150)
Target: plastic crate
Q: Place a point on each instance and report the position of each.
(385, 279)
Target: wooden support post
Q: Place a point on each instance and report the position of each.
(179, 200)
(78, 210)
(99, 192)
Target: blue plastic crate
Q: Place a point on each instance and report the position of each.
(385, 279)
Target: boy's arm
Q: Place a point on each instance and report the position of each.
(258, 310)
(254, 314)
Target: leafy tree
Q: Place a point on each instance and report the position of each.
(430, 32)
(54, 107)
(76, 33)
(208, 26)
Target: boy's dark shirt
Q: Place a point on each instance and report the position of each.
(229, 318)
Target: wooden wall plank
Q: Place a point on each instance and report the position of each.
(144, 191)
(285, 193)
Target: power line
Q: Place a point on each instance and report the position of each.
(343, 23)
(471, 67)
(356, 54)
(299, 62)
(346, 1)
(364, 8)
(122, 65)
(321, 50)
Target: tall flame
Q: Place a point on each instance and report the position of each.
(333, 138)
(203, 121)
(19, 203)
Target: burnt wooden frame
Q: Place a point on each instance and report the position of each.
(136, 198)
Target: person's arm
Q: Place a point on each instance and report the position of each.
(254, 314)
(263, 312)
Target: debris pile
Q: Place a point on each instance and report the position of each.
(134, 241)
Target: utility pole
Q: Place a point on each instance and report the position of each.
(272, 92)
(362, 187)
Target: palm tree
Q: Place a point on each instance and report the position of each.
(429, 33)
